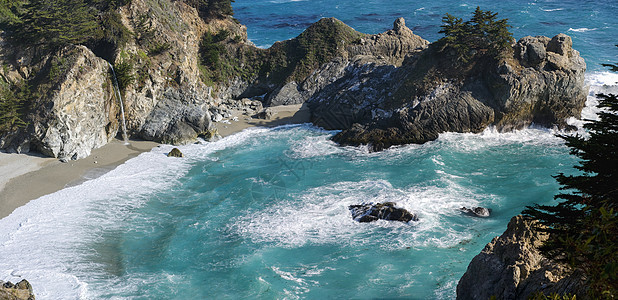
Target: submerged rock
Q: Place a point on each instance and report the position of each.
(476, 211)
(175, 153)
(20, 291)
(381, 211)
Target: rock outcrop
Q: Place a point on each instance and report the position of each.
(370, 212)
(478, 211)
(19, 291)
(385, 105)
(385, 89)
(77, 111)
(511, 267)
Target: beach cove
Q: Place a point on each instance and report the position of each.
(263, 211)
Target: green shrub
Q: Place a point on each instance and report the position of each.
(159, 48)
(52, 24)
(124, 74)
(14, 100)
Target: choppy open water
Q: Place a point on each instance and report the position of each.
(263, 214)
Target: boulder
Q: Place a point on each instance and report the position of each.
(266, 114)
(210, 135)
(20, 291)
(476, 211)
(175, 153)
(77, 113)
(381, 211)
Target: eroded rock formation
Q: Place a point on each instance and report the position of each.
(384, 89)
(385, 105)
(511, 267)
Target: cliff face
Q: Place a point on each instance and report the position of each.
(382, 105)
(75, 108)
(75, 112)
(385, 89)
(511, 267)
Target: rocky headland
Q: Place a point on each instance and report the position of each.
(189, 72)
(511, 267)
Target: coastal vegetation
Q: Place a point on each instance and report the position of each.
(483, 35)
(50, 25)
(224, 57)
(583, 227)
(13, 104)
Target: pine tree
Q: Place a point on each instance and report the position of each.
(584, 226)
(57, 23)
(483, 33)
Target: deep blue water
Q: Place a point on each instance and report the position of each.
(591, 24)
(263, 214)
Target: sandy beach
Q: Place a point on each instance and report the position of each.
(25, 177)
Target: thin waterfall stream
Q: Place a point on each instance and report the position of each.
(119, 96)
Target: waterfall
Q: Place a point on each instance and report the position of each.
(119, 96)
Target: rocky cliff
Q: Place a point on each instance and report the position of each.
(511, 267)
(186, 72)
(385, 105)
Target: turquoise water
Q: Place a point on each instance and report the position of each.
(263, 214)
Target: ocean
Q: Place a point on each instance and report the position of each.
(263, 214)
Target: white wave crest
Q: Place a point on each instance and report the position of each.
(583, 29)
(552, 9)
(321, 216)
(58, 229)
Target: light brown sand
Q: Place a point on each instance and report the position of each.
(27, 177)
(41, 176)
(285, 114)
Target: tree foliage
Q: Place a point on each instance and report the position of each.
(13, 99)
(50, 24)
(584, 226)
(483, 33)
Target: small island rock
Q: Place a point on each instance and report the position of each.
(381, 211)
(477, 211)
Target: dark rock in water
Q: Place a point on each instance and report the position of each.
(20, 291)
(175, 153)
(477, 211)
(385, 211)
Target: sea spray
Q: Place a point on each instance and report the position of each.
(125, 138)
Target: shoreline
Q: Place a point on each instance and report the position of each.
(26, 177)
